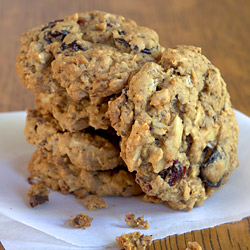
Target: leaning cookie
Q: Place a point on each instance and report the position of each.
(178, 129)
(88, 151)
(68, 178)
(88, 54)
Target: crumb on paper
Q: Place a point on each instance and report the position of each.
(193, 246)
(134, 241)
(93, 202)
(38, 194)
(136, 222)
(81, 220)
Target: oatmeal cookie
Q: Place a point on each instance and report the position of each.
(74, 115)
(88, 54)
(178, 129)
(90, 152)
(68, 178)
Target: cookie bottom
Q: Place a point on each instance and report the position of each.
(68, 178)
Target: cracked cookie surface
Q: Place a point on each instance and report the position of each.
(178, 129)
(89, 54)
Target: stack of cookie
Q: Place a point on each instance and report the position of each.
(74, 67)
(116, 114)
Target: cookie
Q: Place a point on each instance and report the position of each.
(90, 54)
(88, 151)
(68, 178)
(74, 115)
(178, 129)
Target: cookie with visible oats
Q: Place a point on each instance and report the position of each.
(74, 115)
(90, 54)
(86, 150)
(178, 129)
(68, 178)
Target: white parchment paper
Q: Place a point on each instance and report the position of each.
(231, 203)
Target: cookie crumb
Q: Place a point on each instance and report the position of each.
(38, 194)
(133, 241)
(93, 202)
(81, 220)
(136, 222)
(193, 246)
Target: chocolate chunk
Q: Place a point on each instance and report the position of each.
(37, 200)
(174, 173)
(122, 42)
(146, 51)
(74, 45)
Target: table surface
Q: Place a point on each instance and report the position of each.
(220, 28)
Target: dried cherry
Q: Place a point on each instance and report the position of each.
(174, 173)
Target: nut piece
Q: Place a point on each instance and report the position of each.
(81, 220)
(38, 194)
(93, 202)
(136, 222)
(134, 241)
(193, 246)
